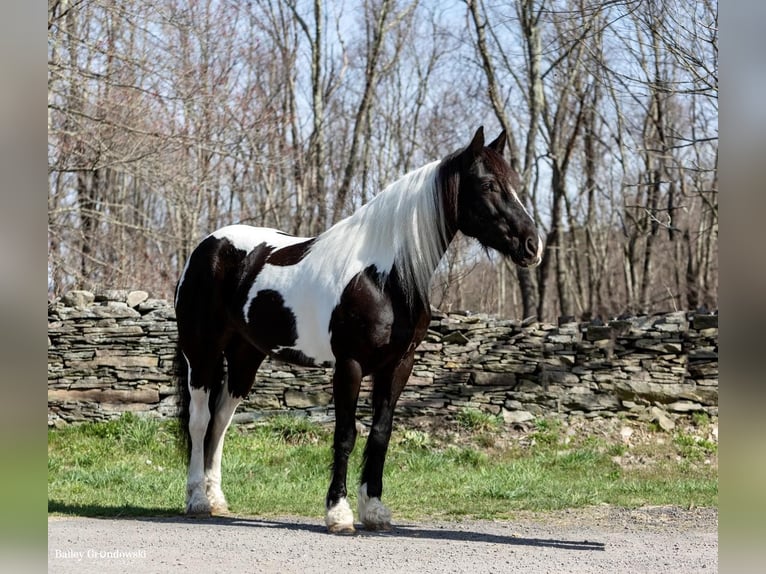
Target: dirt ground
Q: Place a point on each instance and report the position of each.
(601, 539)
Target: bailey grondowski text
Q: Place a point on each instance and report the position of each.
(98, 554)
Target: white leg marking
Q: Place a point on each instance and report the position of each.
(372, 512)
(340, 518)
(224, 410)
(199, 417)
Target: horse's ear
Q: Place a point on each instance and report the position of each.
(477, 143)
(498, 144)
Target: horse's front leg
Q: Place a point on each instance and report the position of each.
(346, 381)
(387, 386)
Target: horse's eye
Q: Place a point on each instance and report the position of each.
(486, 186)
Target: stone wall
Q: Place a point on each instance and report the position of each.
(113, 352)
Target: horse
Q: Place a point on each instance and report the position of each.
(354, 298)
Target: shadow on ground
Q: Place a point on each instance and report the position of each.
(443, 532)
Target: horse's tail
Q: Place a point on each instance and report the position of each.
(181, 372)
(181, 368)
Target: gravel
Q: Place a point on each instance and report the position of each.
(600, 539)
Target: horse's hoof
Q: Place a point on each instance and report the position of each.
(341, 529)
(378, 526)
(372, 512)
(198, 508)
(220, 510)
(218, 504)
(200, 514)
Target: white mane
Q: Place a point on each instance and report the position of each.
(403, 225)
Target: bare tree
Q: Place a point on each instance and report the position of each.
(167, 119)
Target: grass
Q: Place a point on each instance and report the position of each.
(132, 466)
(478, 421)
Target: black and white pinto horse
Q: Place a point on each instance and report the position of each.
(355, 297)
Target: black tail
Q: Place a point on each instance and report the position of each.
(181, 369)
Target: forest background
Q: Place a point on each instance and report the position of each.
(168, 119)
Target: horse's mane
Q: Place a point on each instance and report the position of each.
(402, 226)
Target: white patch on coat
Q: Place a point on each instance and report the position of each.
(540, 243)
(372, 512)
(404, 224)
(246, 238)
(521, 204)
(339, 518)
(181, 280)
(199, 417)
(540, 246)
(224, 410)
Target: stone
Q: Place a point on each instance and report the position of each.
(700, 322)
(650, 391)
(78, 298)
(562, 377)
(124, 362)
(516, 417)
(669, 327)
(302, 400)
(564, 339)
(659, 346)
(482, 378)
(598, 333)
(703, 355)
(678, 317)
(684, 407)
(429, 347)
(154, 304)
(117, 354)
(134, 298)
(662, 419)
(589, 402)
(513, 405)
(106, 395)
(113, 311)
(112, 295)
(620, 327)
(455, 338)
(264, 401)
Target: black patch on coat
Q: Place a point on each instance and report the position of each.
(209, 283)
(373, 324)
(296, 357)
(249, 268)
(274, 323)
(291, 254)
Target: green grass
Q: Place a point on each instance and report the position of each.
(132, 467)
(478, 421)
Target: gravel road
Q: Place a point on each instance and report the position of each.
(604, 539)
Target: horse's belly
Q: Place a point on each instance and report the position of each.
(311, 350)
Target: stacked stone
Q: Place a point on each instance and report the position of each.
(112, 352)
(629, 365)
(108, 354)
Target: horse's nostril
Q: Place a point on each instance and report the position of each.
(531, 246)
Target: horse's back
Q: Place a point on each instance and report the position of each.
(291, 297)
(250, 280)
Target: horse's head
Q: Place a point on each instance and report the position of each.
(488, 207)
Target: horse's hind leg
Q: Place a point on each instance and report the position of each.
(243, 362)
(203, 376)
